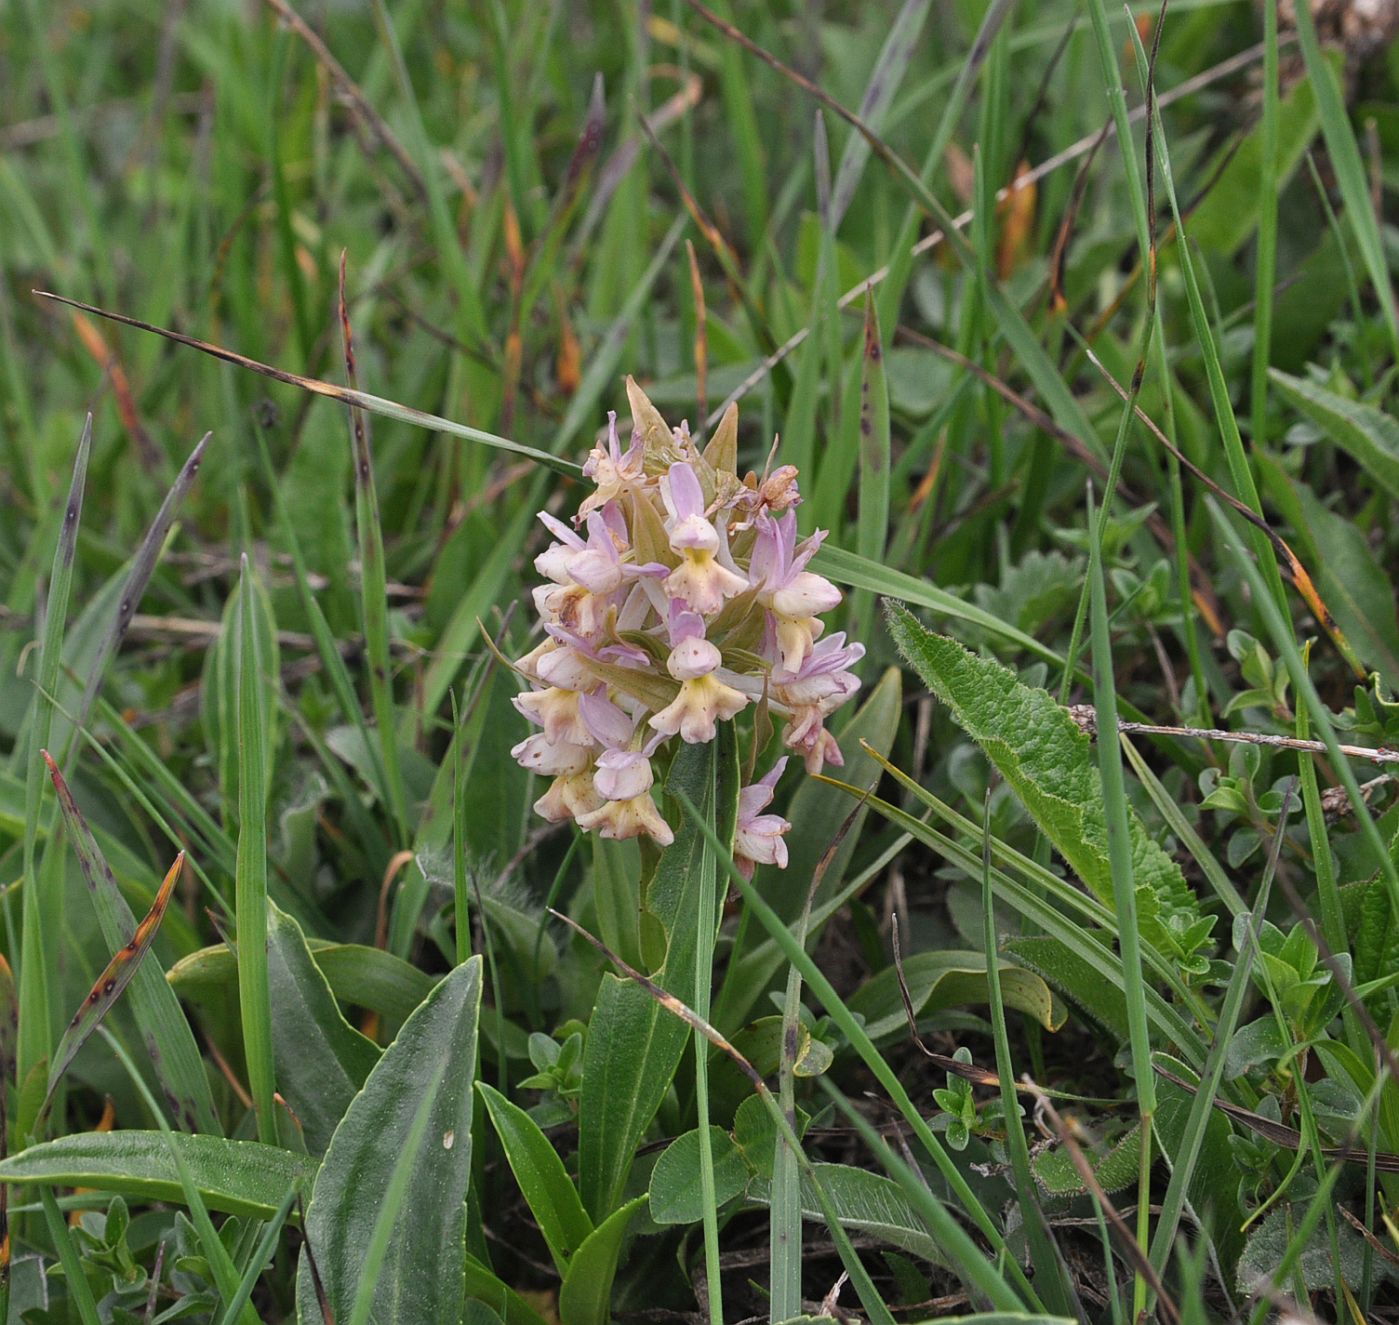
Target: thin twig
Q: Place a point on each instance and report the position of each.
(1083, 714)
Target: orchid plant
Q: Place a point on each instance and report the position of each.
(679, 598)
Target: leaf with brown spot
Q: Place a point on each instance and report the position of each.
(170, 1044)
(110, 984)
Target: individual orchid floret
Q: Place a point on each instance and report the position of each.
(540, 755)
(700, 579)
(571, 796)
(806, 733)
(612, 470)
(628, 818)
(623, 784)
(556, 710)
(594, 564)
(793, 595)
(758, 837)
(703, 699)
(824, 678)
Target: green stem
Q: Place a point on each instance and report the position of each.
(706, 925)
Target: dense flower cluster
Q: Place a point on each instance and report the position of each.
(680, 597)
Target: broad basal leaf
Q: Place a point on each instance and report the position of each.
(431, 1064)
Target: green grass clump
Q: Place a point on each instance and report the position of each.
(1077, 998)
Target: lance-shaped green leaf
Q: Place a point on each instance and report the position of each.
(1049, 762)
(110, 984)
(171, 1047)
(321, 1060)
(868, 1203)
(1368, 435)
(544, 1182)
(431, 1065)
(585, 1297)
(236, 1177)
(937, 980)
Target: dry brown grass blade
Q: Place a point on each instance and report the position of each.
(373, 404)
(671, 1004)
(1281, 1135)
(701, 344)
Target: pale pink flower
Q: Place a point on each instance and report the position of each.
(793, 595)
(556, 711)
(728, 622)
(701, 579)
(758, 837)
(701, 703)
(540, 755)
(628, 818)
(569, 797)
(612, 471)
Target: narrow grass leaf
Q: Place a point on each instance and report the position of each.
(112, 982)
(262, 1257)
(142, 568)
(79, 1290)
(374, 609)
(388, 409)
(873, 518)
(1351, 178)
(39, 938)
(884, 81)
(1125, 862)
(250, 881)
(173, 1052)
(859, 572)
(1059, 1292)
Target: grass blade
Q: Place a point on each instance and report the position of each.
(176, 1060)
(1120, 853)
(40, 938)
(373, 582)
(109, 986)
(1349, 168)
(250, 882)
(142, 567)
(388, 409)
